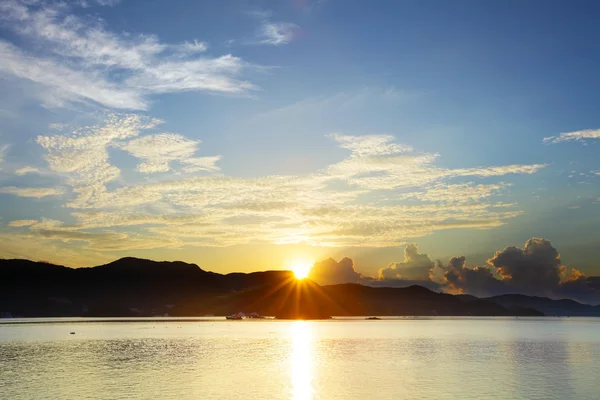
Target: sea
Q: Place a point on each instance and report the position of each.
(350, 358)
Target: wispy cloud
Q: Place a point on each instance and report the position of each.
(78, 59)
(27, 170)
(22, 222)
(30, 192)
(3, 151)
(160, 150)
(381, 194)
(276, 34)
(270, 32)
(574, 136)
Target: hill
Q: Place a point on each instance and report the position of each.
(550, 307)
(138, 287)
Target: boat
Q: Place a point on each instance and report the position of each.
(254, 315)
(237, 316)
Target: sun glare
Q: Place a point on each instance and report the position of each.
(301, 269)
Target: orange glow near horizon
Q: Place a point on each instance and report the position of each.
(300, 268)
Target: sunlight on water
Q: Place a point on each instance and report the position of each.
(409, 359)
(301, 359)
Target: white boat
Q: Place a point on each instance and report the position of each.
(239, 315)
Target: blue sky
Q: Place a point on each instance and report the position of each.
(244, 135)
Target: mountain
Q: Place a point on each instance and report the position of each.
(561, 308)
(138, 287)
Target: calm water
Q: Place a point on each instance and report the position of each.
(554, 358)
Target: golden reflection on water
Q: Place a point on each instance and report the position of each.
(301, 359)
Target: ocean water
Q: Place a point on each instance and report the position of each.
(429, 358)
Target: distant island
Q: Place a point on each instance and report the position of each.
(137, 287)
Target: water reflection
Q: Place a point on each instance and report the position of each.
(302, 352)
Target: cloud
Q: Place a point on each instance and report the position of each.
(109, 3)
(582, 288)
(105, 240)
(469, 192)
(83, 154)
(79, 60)
(3, 151)
(370, 145)
(22, 222)
(535, 268)
(63, 84)
(277, 33)
(272, 33)
(382, 193)
(478, 281)
(574, 136)
(192, 47)
(30, 192)
(27, 170)
(331, 272)
(416, 266)
(160, 150)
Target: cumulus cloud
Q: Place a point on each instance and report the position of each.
(536, 268)
(80, 56)
(574, 136)
(331, 272)
(457, 277)
(416, 266)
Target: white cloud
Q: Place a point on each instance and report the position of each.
(196, 164)
(376, 163)
(30, 192)
(370, 145)
(192, 47)
(382, 194)
(108, 2)
(574, 136)
(83, 155)
(456, 193)
(22, 222)
(276, 33)
(272, 33)
(159, 151)
(416, 266)
(3, 151)
(78, 59)
(27, 170)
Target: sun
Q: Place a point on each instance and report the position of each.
(300, 268)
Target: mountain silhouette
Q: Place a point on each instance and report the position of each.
(140, 287)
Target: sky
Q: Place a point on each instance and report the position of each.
(248, 135)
